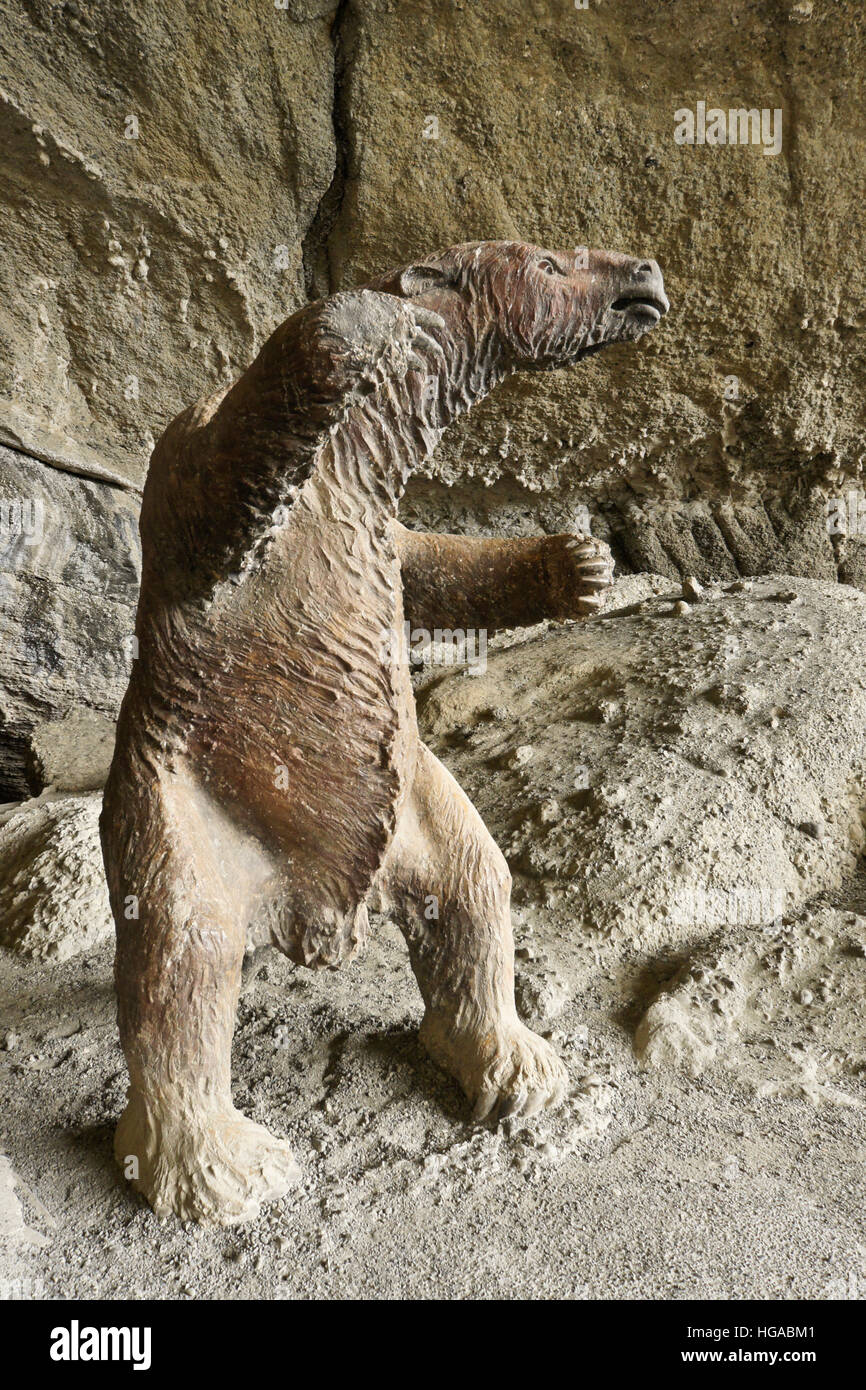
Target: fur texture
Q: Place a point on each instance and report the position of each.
(268, 776)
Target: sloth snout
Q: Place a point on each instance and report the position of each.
(641, 291)
(646, 279)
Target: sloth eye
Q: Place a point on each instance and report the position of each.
(549, 267)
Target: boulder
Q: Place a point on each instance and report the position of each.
(53, 894)
(671, 768)
(70, 564)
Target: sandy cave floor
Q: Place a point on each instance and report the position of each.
(647, 1184)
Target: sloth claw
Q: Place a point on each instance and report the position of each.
(513, 1073)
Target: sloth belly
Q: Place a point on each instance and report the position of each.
(307, 726)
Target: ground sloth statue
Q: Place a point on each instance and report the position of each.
(269, 780)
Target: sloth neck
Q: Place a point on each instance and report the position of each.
(371, 455)
(467, 361)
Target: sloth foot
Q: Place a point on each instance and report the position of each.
(580, 569)
(511, 1071)
(214, 1168)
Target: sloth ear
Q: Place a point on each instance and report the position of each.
(422, 278)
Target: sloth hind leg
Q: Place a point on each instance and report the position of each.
(450, 888)
(180, 903)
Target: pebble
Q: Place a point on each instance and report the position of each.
(522, 755)
(814, 828)
(693, 590)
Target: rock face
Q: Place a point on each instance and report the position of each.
(560, 122)
(159, 174)
(53, 896)
(167, 209)
(73, 754)
(69, 575)
(671, 769)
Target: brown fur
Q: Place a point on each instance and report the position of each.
(269, 776)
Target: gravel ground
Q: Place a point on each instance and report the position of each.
(647, 1184)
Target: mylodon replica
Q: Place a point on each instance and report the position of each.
(269, 779)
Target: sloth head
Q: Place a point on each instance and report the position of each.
(547, 309)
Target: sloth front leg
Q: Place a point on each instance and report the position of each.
(497, 582)
(181, 915)
(450, 888)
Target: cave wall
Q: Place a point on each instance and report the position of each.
(282, 150)
(162, 163)
(176, 178)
